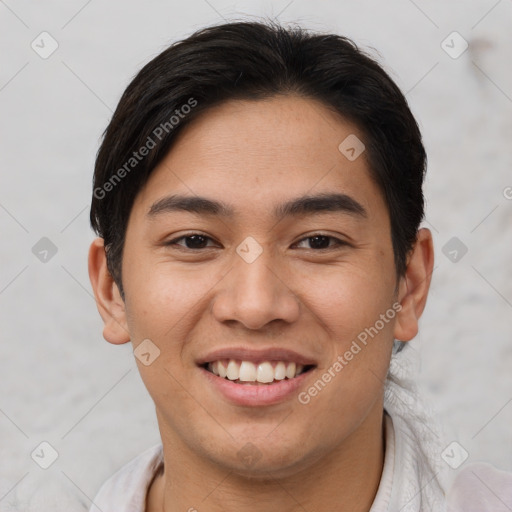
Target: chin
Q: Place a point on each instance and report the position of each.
(263, 460)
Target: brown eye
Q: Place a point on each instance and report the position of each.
(321, 242)
(192, 241)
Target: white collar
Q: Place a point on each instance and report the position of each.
(383, 496)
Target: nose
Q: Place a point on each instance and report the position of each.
(255, 294)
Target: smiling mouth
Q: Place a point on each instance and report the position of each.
(263, 373)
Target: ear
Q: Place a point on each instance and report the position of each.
(108, 299)
(414, 286)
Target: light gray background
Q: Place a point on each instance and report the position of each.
(62, 383)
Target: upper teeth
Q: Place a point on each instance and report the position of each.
(247, 371)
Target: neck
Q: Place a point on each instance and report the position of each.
(346, 479)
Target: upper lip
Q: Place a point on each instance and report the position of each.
(256, 356)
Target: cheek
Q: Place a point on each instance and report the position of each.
(160, 299)
(351, 380)
(355, 306)
(350, 299)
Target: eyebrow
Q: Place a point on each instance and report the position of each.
(303, 205)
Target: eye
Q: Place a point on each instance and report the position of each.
(321, 242)
(192, 241)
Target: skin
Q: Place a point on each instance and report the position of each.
(328, 454)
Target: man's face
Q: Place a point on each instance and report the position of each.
(260, 288)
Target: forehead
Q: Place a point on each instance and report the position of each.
(253, 153)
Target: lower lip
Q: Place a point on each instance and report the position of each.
(254, 394)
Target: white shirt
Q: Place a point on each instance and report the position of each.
(126, 490)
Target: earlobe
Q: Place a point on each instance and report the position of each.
(414, 286)
(108, 299)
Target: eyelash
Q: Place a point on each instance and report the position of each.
(338, 242)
